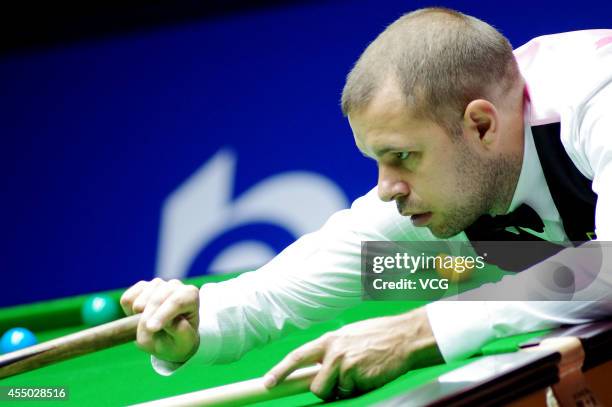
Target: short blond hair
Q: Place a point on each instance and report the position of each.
(441, 60)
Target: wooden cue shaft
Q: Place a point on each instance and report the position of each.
(241, 393)
(69, 346)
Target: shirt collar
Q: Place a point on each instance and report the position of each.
(531, 188)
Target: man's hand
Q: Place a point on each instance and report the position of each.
(168, 328)
(362, 356)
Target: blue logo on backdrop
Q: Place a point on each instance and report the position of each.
(201, 221)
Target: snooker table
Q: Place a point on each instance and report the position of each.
(123, 375)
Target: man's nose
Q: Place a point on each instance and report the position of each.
(390, 185)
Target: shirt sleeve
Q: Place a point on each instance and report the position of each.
(462, 327)
(312, 280)
(534, 299)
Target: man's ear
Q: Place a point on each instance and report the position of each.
(481, 120)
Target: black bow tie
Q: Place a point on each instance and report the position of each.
(488, 229)
(494, 228)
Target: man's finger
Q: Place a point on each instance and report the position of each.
(144, 335)
(128, 297)
(324, 382)
(184, 300)
(154, 301)
(306, 354)
(142, 299)
(346, 384)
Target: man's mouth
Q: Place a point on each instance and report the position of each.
(420, 219)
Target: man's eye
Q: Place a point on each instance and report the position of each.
(403, 155)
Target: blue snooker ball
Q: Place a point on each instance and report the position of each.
(15, 339)
(99, 309)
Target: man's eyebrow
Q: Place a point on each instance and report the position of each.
(385, 150)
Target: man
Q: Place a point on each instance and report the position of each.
(454, 124)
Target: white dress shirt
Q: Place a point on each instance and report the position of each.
(318, 276)
(569, 80)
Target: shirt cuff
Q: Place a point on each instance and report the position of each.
(210, 333)
(207, 353)
(163, 367)
(460, 327)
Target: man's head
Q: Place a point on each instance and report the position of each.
(437, 101)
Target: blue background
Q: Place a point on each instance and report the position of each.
(96, 134)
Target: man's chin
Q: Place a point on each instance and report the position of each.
(438, 230)
(444, 235)
(443, 232)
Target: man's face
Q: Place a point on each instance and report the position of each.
(441, 181)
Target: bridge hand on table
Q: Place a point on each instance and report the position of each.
(362, 356)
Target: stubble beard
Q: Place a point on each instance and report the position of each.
(485, 186)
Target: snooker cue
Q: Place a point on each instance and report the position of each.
(241, 393)
(79, 343)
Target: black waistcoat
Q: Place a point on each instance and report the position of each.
(572, 194)
(571, 191)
